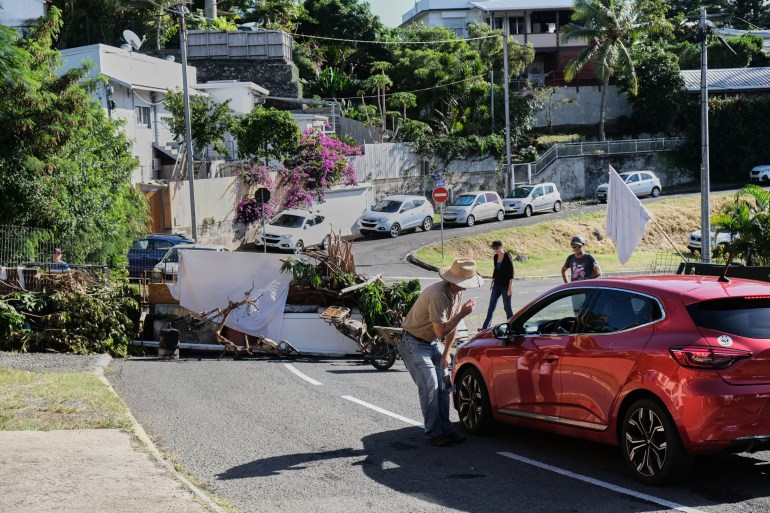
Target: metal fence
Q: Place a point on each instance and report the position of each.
(582, 149)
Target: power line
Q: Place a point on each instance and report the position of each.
(441, 41)
(412, 91)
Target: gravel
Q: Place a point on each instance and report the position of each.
(55, 362)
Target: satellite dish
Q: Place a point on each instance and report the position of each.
(133, 39)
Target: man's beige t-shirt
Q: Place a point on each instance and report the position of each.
(435, 304)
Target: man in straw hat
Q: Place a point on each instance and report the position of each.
(435, 316)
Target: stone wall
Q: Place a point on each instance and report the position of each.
(278, 77)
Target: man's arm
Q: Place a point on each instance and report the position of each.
(597, 270)
(448, 329)
(564, 270)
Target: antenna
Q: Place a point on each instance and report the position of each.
(133, 40)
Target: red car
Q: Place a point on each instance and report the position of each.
(666, 367)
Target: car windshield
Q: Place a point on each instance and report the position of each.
(743, 317)
(173, 253)
(387, 206)
(288, 221)
(626, 178)
(520, 192)
(464, 200)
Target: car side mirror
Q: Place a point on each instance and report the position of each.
(501, 331)
(304, 227)
(402, 211)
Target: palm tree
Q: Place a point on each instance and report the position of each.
(609, 27)
(748, 219)
(379, 83)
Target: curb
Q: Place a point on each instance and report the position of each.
(140, 433)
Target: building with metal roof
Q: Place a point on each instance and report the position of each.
(729, 80)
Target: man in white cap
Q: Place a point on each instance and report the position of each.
(433, 318)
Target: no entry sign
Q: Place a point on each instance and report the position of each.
(440, 194)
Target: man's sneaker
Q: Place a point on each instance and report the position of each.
(439, 441)
(454, 437)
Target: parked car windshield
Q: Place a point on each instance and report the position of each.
(464, 200)
(738, 316)
(387, 206)
(173, 253)
(520, 192)
(288, 221)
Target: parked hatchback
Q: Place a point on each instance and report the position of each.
(760, 174)
(721, 239)
(526, 199)
(665, 367)
(470, 207)
(145, 253)
(394, 214)
(296, 228)
(641, 183)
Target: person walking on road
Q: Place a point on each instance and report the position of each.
(426, 345)
(502, 283)
(580, 265)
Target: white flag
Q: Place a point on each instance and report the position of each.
(626, 217)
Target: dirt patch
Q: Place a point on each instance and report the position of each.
(85, 471)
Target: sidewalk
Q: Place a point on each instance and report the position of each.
(88, 470)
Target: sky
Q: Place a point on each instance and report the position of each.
(390, 11)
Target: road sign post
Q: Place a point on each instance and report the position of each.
(440, 195)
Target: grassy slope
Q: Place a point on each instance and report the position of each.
(546, 245)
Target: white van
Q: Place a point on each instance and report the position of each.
(470, 207)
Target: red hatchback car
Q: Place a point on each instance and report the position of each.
(666, 367)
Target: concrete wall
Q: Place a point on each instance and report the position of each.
(584, 109)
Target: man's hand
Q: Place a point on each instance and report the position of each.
(446, 360)
(468, 307)
(510, 291)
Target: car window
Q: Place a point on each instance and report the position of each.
(492, 197)
(743, 317)
(318, 220)
(140, 245)
(556, 315)
(480, 199)
(407, 206)
(646, 176)
(548, 189)
(418, 203)
(162, 245)
(288, 221)
(618, 310)
(310, 221)
(520, 192)
(387, 206)
(464, 200)
(537, 192)
(632, 178)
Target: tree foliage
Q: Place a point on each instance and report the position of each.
(747, 217)
(268, 133)
(64, 166)
(209, 120)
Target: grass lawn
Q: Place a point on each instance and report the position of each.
(543, 248)
(43, 401)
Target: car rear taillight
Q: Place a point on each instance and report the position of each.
(704, 357)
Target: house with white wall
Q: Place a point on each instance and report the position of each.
(22, 14)
(535, 22)
(137, 84)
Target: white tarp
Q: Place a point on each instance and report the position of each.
(207, 279)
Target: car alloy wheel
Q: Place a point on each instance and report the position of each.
(470, 221)
(655, 192)
(299, 247)
(557, 206)
(427, 224)
(500, 215)
(473, 404)
(528, 211)
(395, 230)
(651, 445)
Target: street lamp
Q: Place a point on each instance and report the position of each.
(187, 128)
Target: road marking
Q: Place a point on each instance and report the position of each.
(303, 376)
(386, 412)
(603, 484)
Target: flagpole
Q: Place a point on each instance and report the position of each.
(667, 238)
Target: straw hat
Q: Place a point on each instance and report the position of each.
(462, 273)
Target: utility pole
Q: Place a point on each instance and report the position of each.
(187, 128)
(705, 203)
(507, 109)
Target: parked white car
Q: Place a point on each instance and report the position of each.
(760, 174)
(295, 229)
(526, 199)
(394, 214)
(168, 267)
(475, 206)
(721, 239)
(641, 183)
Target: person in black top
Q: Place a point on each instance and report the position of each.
(502, 283)
(580, 265)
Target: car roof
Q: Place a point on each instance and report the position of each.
(761, 167)
(403, 197)
(166, 236)
(691, 288)
(213, 247)
(297, 211)
(474, 193)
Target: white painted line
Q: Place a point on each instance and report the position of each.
(303, 376)
(386, 412)
(603, 484)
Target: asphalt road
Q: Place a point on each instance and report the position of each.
(337, 435)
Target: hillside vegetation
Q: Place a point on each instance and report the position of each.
(543, 247)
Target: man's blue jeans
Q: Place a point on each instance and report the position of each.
(423, 362)
(498, 291)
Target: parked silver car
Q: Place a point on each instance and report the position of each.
(394, 214)
(760, 174)
(475, 206)
(721, 239)
(526, 199)
(641, 183)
